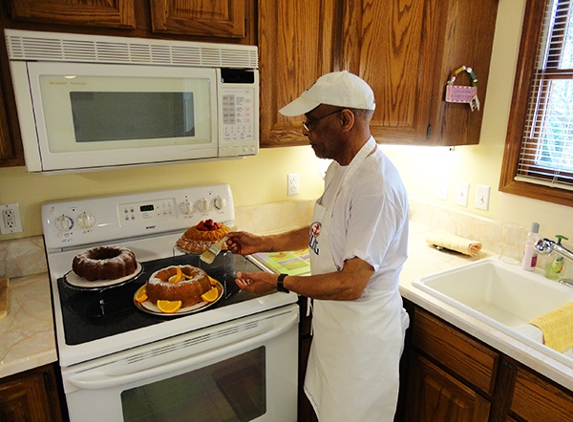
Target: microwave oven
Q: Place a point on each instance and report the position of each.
(89, 102)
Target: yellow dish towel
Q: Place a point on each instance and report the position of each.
(557, 327)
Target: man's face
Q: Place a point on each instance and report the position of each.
(322, 128)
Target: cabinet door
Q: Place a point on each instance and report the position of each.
(435, 396)
(11, 153)
(110, 13)
(466, 38)
(295, 48)
(393, 45)
(30, 397)
(213, 18)
(407, 51)
(6, 151)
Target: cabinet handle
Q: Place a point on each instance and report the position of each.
(509, 366)
(429, 132)
(47, 380)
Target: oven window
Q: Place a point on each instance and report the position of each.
(231, 390)
(116, 116)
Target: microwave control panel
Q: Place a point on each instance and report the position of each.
(239, 123)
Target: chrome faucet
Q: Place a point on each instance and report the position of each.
(546, 246)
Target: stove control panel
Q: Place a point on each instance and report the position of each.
(104, 220)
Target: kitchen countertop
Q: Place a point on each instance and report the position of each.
(27, 332)
(28, 338)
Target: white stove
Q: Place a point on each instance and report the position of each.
(99, 328)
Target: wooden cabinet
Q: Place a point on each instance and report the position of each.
(536, 399)
(449, 375)
(30, 397)
(11, 151)
(6, 148)
(225, 19)
(296, 46)
(442, 396)
(208, 18)
(406, 49)
(108, 14)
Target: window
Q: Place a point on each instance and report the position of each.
(538, 159)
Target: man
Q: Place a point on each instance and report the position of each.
(358, 243)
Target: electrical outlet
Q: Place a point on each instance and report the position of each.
(462, 193)
(10, 219)
(292, 184)
(482, 197)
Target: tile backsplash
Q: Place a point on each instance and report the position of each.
(22, 257)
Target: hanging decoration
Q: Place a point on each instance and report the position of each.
(462, 93)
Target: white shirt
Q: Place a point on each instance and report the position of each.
(370, 218)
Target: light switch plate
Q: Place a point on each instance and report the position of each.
(462, 193)
(482, 197)
(442, 189)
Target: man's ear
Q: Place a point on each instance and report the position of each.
(347, 119)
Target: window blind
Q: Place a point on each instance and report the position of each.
(546, 154)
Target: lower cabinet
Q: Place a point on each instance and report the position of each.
(31, 396)
(447, 375)
(441, 397)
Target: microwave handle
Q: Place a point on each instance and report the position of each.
(98, 381)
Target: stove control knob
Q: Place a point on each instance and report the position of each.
(220, 203)
(204, 205)
(64, 223)
(85, 220)
(187, 207)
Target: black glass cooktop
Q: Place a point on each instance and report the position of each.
(93, 314)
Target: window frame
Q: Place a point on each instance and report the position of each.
(525, 73)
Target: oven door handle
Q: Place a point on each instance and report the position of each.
(97, 380)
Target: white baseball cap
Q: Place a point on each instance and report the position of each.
(342, 89)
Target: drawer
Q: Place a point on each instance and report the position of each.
(536, 399)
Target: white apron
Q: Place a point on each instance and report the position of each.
(352, 372)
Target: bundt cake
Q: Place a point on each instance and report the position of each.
(104, 263)
(185, 283)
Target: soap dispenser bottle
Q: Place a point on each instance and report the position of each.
(555, 262)
(529, 260)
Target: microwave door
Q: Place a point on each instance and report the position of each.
(93, 115)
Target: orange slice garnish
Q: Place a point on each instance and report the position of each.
(141, 295)
(169, 306)
(211, 295)
(212, 281)
(177, 277)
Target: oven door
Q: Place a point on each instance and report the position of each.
(242, 370)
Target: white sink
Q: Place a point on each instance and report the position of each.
(502, 295)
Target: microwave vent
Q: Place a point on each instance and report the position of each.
(47, 46)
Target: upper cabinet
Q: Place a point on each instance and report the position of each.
(224, 19)
(107, 14)
(406, 49)
(229, 20)
(296, 46)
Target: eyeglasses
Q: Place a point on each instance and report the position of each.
(307, 125)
